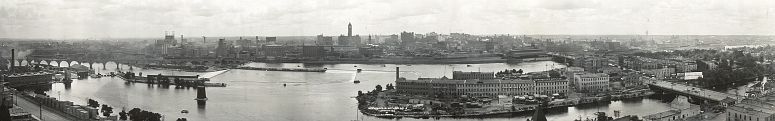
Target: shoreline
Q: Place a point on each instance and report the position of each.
(522, 110)
(472, 60)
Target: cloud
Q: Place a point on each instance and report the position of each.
(568, 4)
(149, 18)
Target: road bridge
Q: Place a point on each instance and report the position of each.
(692, 91)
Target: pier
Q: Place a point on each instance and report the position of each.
(185, 81)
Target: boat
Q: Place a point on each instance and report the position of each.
(184, 111)
(94, 76)
(359, 70)
(468, 65)
(208, 84)
(357, 81)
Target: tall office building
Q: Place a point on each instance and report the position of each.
(349, 29)
(323, 40)
(407, 40)
(271, 39)
(220, 50)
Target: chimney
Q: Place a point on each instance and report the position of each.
(397, 73)
(13, 60)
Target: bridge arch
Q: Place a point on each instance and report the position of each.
(32, 62)
(24, 63)
(63, 62)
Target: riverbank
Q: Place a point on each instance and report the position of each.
(411, 61)
(497, 107)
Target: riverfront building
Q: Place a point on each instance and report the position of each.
(759, 109)
(472, 84)
(29, 78)
(681, 109)
(591, 82)
(459, 75)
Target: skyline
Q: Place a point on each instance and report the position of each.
(97, 19)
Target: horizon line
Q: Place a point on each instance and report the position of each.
(12, 38)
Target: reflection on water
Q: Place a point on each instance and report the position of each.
(260, 95)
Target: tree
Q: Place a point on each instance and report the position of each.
(378, 88)
(5, 114)
(390, 87)
(122, 115)
(520, 71)
(554, 74)
(154, 116)
(134, 114)
(106, 110)
(93, 103)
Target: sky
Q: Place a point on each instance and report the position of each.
(104, 19)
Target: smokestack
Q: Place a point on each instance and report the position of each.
(13, 60)
(397, 73)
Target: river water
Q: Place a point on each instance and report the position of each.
(309, 96)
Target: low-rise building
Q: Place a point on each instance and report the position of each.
(660, 73)
(681, 109)
(631, 79)
(551, 86)
(757, 109)
(591, 82)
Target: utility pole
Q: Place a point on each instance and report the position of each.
(40, 109)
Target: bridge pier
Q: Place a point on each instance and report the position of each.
(90, 65)
(103, 66)
(118, 66)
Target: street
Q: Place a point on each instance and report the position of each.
(48, 113)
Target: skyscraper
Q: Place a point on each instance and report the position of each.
(323, 40)
(220, 50)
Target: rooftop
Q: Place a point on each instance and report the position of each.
(584, 75)
(662, 114)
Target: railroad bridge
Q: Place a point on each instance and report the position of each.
(119, 59)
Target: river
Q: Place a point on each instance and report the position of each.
(309, 96)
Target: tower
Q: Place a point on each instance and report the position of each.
(370, 42)
(349, 29)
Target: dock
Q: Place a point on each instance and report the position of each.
(283, 69)
(190, 81)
